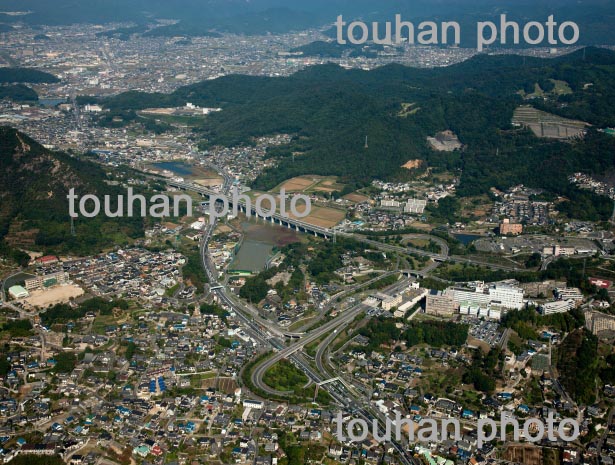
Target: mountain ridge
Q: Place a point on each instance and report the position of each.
(34, 183)
(331, 110)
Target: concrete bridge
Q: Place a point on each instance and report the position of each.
(285, 221)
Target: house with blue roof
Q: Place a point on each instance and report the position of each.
(524, 409)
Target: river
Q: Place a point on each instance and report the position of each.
(50, 102)
(466, 239)
(261, 239)
(178, 167)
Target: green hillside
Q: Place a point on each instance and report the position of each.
(32, 76)
(331, 110)
(34, 183)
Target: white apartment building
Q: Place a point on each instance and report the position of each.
(569, 293)
(387, 203)
(506, 296)
(559, 306)
(415, 206)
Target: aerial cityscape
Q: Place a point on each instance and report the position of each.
(369, 253)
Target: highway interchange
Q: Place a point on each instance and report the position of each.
(272, 337)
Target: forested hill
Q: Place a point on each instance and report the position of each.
(34, 183)
(331, 110)
(32, 76)
(12, 83)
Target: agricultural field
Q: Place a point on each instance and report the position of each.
(310, 184)
(324, 217)
(356, 197)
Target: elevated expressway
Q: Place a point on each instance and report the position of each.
(263, 335)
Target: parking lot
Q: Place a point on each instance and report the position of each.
(486, 331)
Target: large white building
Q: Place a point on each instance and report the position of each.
(569, 293)
(559, 306)
(500, 295)
(506, 296)
(389, 203)
(415, 206)
(46, 281)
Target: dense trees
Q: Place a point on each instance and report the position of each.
(65, 362)
(578, 363)
(446, 211)
(527, 321)
(434, 333)
(213, 309)
(256, 287)
(483, 371)
(34, 76)
(18, 93)
(284, 376)
(25, 182)
(15, 255)
(18, 328)
(193, 269)
(63, 313)
(331, 110)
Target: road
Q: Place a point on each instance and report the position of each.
(259, 371)
(262, 334)
(340, 295)
(605, 432)
(442, 256)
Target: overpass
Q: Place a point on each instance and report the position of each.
(291, 223)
